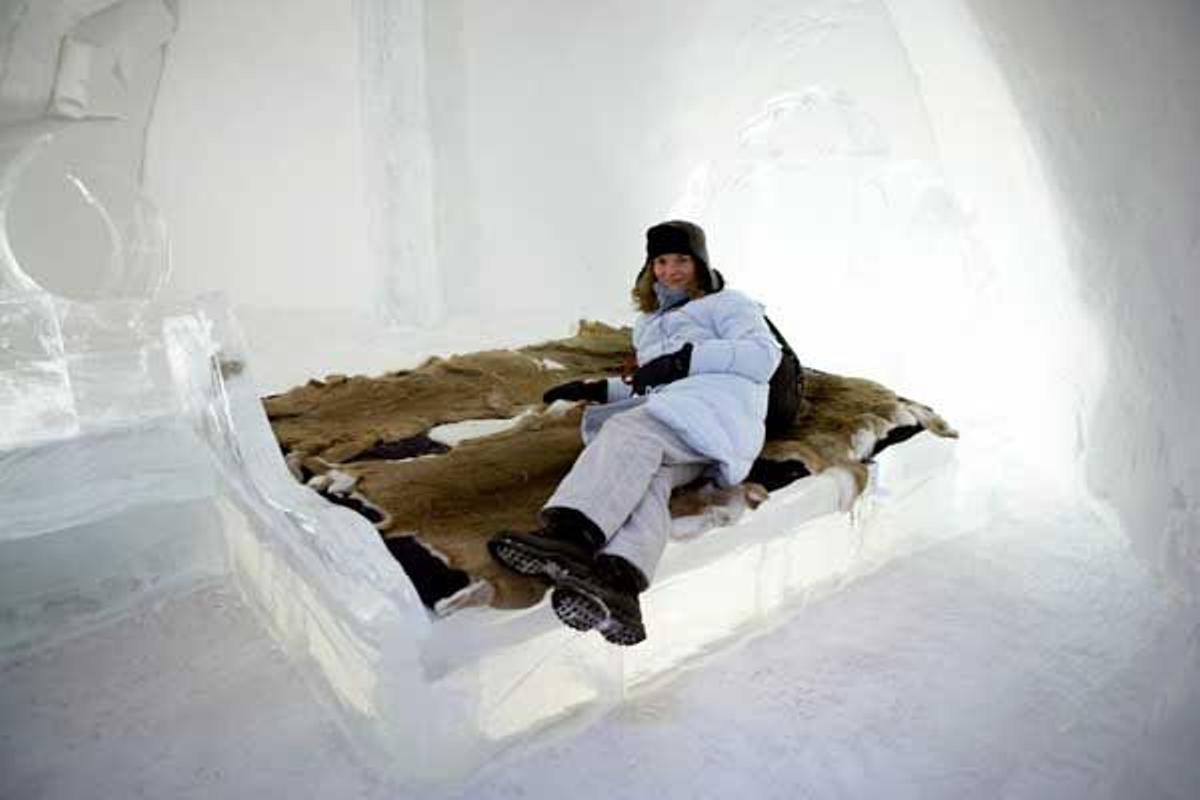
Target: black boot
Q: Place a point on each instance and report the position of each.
(606, 599)
(566, 544)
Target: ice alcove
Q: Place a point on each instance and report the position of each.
(988, 207)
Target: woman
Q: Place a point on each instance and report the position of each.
(695, 406)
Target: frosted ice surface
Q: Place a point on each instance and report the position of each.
(814, 124)
(35, 391)
(91, 417)
(68, 368)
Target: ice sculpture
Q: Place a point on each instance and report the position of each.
(100, 55)
(121, 435)
(34, 391)
(93, 442)
(62, 358)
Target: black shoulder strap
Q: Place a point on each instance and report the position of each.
(778, 336)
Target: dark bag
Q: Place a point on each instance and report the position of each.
(787, 387)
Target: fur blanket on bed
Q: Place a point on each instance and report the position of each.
(364, 442)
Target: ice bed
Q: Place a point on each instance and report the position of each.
(163, 474)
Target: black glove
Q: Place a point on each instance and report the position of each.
(592, 391)
(664, 369)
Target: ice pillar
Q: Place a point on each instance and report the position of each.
(399, 160)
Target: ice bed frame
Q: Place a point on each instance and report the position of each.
(192, 488)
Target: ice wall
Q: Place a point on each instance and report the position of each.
(399, 147)
(90, 71)
(1111, 98)
(255, 155)
(562, 130)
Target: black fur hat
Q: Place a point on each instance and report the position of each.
(685, 238)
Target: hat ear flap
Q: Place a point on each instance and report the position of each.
(711, 280)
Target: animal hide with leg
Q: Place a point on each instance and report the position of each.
(375, 434)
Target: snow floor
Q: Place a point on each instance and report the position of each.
(1019, 660)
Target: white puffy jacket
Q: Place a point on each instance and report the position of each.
(719, 408)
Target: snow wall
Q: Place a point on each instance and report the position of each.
(988, 205)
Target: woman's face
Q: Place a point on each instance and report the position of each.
(675, 271)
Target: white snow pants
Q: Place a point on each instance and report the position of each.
(623, 480)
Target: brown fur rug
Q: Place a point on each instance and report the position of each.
(352, 429)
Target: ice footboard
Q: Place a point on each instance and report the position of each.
(531, 674)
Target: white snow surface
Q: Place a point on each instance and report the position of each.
(990, 205)
(1015, 661)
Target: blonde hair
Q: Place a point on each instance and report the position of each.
(644, 298)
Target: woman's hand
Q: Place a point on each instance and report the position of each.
(591, 391)
(664, 369)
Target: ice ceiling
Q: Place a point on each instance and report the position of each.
(989, 205)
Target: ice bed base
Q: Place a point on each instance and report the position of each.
(465, 692)
(529, 674)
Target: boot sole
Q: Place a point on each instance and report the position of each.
(577, 608)
(532, 561)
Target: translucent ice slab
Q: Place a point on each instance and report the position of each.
(530, 673)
